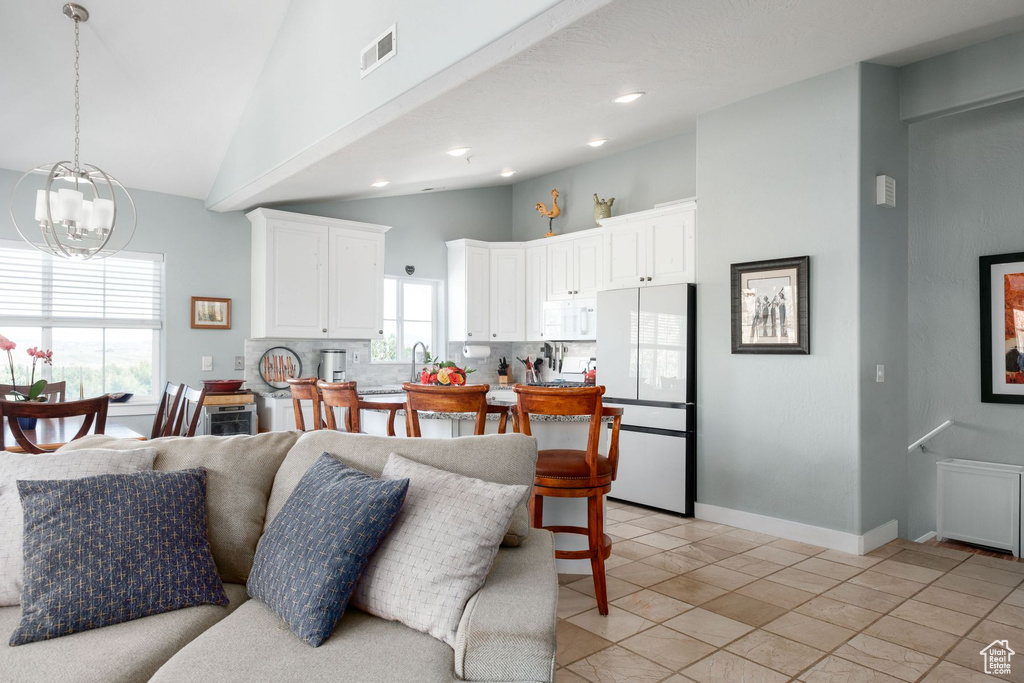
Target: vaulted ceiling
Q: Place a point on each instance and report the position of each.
(169, 92)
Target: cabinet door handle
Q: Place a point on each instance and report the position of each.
(324, 330)
(648, 278)
(494, 334)
(641, 279)
(569, 292)
(380, 331)
(470, 334)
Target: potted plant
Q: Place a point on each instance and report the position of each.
(35, 389)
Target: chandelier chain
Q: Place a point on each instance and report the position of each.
(77, 108)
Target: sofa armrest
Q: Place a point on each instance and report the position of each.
(507, 632)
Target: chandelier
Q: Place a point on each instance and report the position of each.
(77, 208)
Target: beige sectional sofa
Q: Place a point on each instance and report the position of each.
(507, 632)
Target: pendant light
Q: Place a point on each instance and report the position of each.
(77, 207)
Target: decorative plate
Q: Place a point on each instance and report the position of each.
(278, 364)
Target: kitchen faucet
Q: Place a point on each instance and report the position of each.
(412, 377)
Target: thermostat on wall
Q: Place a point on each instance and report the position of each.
(885, 191)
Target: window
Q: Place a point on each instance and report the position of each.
(101, 318)
(410, 316)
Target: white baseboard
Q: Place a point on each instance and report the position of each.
(927, 537)
(797, 531)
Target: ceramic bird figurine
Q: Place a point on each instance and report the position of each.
(555, 211)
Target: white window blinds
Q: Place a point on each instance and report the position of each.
(40, 290)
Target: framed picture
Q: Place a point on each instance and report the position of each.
(209, 313)
(770, 312)
(1002, 328)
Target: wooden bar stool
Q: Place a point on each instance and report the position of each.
(569, 473)
(305, 389)
(345, 395)
(470, 398)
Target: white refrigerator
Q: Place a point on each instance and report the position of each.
(646, 359)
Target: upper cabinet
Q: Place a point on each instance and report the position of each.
(315, 277)
(469, 280)
(508, 293)
(574, 268)
(536, 290)
(651, 247)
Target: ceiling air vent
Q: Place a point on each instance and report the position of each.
(378, 52)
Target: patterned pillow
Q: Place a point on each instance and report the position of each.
(441, 549)
(313, 553)
(15, 466)
(111, 548)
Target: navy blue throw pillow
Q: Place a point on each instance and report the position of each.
(311, 557)
(111, 548)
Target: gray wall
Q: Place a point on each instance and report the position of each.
(638, 178)
(967, 173)
(883, 302)
(205, 254)
(421, 223)
(975, 76)
(778, 176)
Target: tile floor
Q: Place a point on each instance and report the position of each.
(697, 601)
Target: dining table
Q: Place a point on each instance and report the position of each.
(52, 433)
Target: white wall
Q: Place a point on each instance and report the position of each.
(966, 173)
(638, 178)
(778, 176)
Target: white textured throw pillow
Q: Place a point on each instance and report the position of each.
(72, 465)
(440, 550)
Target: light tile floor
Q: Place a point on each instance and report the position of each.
(696, 601)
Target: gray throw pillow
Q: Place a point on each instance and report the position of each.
(111, 548)
(74, 465)
(440, 550)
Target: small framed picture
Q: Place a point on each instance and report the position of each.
(770, 311)
(1002, 328)
(209, 313)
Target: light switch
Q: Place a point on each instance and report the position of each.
(207, 363)
(879, 373)
(239, 362)
(355, 357)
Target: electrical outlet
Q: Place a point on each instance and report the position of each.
(207, 363)
(239, 362)
(355, 357)
(879, 373)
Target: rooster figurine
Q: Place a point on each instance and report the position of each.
(551, 215)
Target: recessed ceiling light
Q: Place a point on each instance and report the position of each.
(507, 174)
(631, 97)
(381, 183)
(458, 151)
(598, 142)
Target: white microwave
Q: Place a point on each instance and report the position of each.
(569, 320)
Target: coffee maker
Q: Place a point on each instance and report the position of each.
(333, 364)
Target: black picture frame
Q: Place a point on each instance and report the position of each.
(761, 335)
(993, 389)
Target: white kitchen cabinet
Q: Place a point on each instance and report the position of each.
(310, 276)
(508, 293)
(469, 265)
(356, 289)
(574, 268)
(536, 291)
(651, 248)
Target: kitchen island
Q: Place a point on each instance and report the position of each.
(551, 431)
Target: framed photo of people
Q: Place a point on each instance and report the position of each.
(770, 312)
(1002, 328)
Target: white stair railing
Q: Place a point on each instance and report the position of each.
(929, 436)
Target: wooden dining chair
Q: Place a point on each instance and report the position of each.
(572, 473)
(92, 410)
(471, 398)
(55, 392)
(345, 395)
(190, 411)
(167, 412)
(305, 389)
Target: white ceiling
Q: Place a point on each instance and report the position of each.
(535, 112)
(163, 85)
